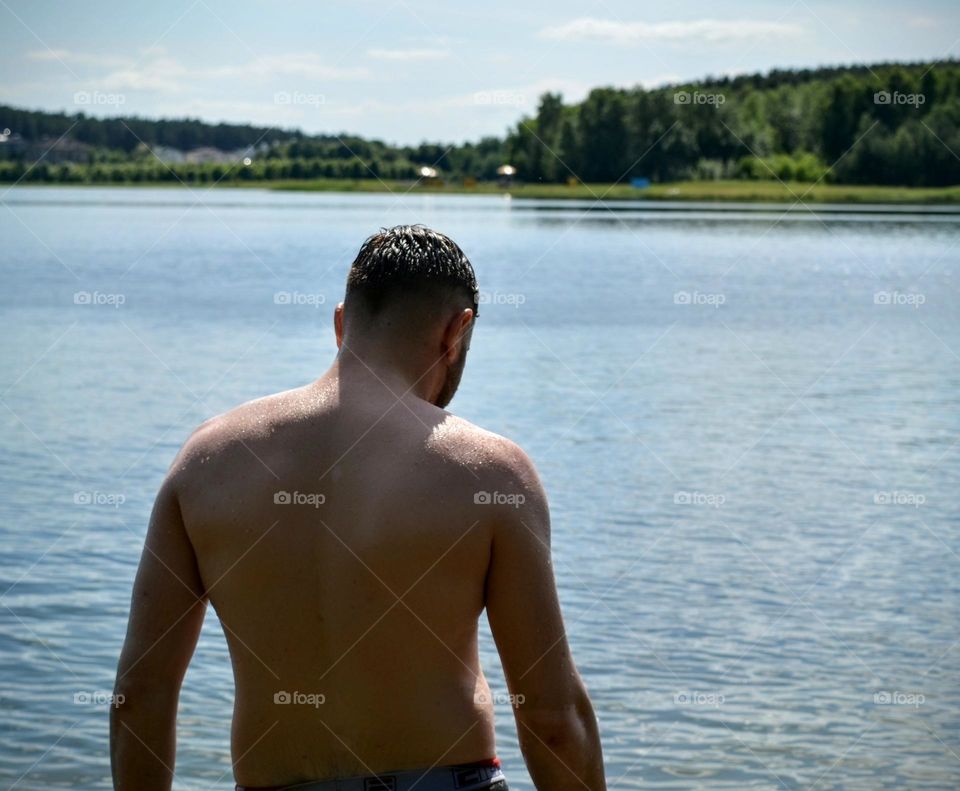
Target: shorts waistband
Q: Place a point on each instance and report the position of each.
(474, 776)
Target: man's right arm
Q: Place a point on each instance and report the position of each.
(556, 725)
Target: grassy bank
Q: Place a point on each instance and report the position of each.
(773, 191)
(717, 191)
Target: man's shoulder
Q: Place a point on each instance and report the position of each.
(489, 455)
(503, 484)
(220, 437)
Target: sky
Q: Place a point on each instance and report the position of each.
(408, 71)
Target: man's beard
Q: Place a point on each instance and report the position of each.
(452, 382)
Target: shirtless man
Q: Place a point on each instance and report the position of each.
(349, 534)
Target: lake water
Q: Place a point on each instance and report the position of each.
(747, 423)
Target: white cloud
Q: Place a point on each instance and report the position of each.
(160, 75)
(156, 72)
(306, 65)
(48, 54)
(70, 56)
(698, 30)
(409, 54)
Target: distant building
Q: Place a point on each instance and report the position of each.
(11, 144)
(53, 150)
(505, 174)
(208, 154)
(168, 154)
(57, 150)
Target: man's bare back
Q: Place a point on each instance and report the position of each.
(370, 599)
(347, 535)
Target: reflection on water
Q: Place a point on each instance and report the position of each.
(746, 421)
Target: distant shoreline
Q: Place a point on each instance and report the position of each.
(707, 191)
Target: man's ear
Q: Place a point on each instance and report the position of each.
(456, 334)
(338, 323)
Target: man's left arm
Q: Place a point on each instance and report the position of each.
(166, 614)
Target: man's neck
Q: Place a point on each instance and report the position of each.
(397, 375)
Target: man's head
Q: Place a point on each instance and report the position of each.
(413, 291)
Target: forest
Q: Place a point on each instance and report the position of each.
(883, 124)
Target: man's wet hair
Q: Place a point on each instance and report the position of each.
(405, 261)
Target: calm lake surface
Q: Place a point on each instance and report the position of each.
(747, 423)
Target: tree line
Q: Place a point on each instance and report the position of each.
(896, 124)
(886, 124)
